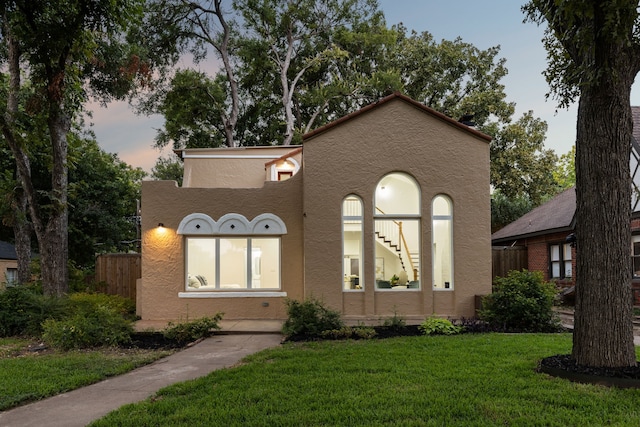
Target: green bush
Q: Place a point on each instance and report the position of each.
(186, 332)
(310, 318)
(102, 326)
(85, 302)
(92, 320)
(522, 301)
(395, 323)
(346, 332)
(23, 309)
(438, 326)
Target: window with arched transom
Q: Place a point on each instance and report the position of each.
(397, 232)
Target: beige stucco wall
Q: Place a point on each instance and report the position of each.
(350, 159)
(242, 167)
(163, 267)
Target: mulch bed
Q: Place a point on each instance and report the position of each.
(563, 366)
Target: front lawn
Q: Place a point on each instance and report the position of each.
(465, 380)
(26, 376)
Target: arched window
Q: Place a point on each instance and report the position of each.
(442, 244)
(397, 232)
(352, 243)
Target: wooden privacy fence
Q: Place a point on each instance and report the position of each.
(119, 272)
(507, 258)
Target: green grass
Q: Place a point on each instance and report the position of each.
(28, 377)
(465, 380)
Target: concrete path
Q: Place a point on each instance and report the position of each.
(84, 405)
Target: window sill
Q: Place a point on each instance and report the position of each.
(223, 294)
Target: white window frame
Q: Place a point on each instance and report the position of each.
(349, 283)
(449, 218)
(232, 226)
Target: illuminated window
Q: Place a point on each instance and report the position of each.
(442, 244)
(232, 253)
(352, 243)
(397, 232)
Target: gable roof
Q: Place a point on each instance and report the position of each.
(555, 215)
(389, 98)
(7, 251)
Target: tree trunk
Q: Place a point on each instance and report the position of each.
(22, 234)
(603, 333)
(53, 240)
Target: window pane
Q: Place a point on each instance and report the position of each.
(233, 263)
(441, 206)
(442, 262)
(636, 266)
(397, 193)
(555, 269)
(201, 266)
(394, 258)
(352, 252)
(352, 206)
(352, 242)
(555, 253)
(567, 252)
(265, 263)
(567, 269)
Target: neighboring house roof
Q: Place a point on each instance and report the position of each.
(555, 215)
(7, 251)
(386, 99)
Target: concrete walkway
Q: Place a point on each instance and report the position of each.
(84, 405)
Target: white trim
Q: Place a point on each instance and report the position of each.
(275, 170)
(198, 224)
(223, 294)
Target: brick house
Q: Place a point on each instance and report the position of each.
(545, 231)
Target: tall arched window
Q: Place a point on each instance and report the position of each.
(352, 243)
(442, 244)
(397, 232)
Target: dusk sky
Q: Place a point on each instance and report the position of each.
(484, 24)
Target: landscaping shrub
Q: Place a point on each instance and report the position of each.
(309, 319)
(438, 326)
(347, 332)
(523, 302)
(102, 326)
(85, 302)
(24, 308)
(186, 332)
(395, 323)
(92, 320)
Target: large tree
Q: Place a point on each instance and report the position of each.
(67, 48)
(103, 191)
(594, 52)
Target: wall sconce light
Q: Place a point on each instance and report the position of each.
(161, 225)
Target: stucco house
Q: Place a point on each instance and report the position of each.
(383, 211)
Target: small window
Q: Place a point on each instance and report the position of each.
(352, 243)
(442, 250)
(635, 255)
(284, 175)
(560, 260)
